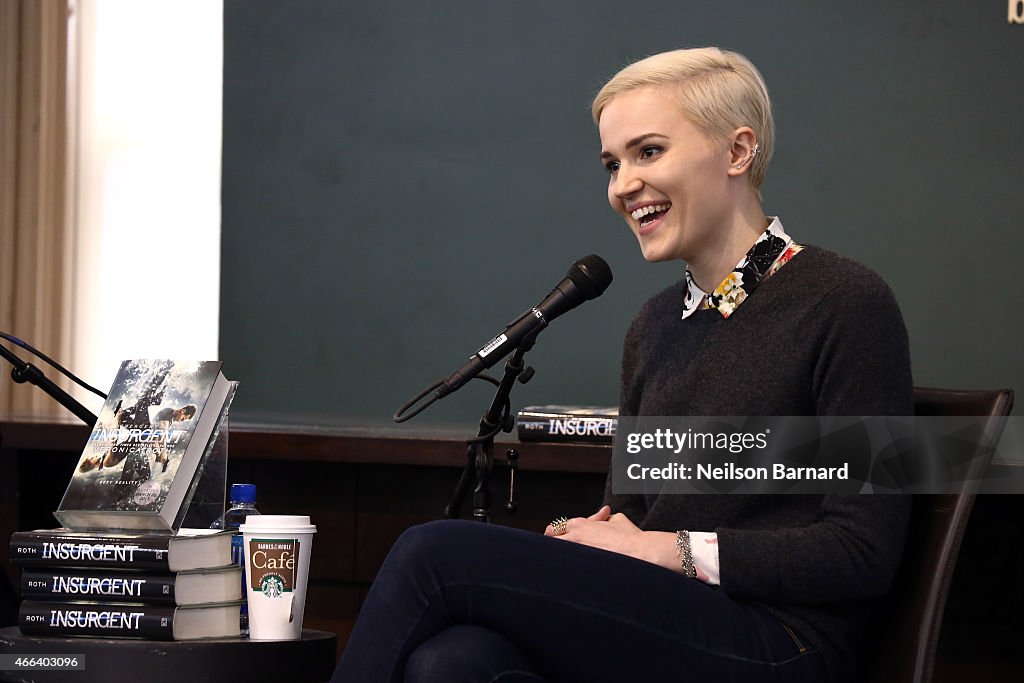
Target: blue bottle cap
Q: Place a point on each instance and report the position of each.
(243, 493)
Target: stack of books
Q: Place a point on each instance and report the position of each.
(128, 585)
(141, 575)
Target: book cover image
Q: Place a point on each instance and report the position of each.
(141, 437)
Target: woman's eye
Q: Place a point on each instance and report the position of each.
(611, 166)
(649, 151)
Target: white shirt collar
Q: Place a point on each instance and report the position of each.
(744, 278)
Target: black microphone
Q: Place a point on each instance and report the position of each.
(587, 279)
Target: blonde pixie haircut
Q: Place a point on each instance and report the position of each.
(719, 91)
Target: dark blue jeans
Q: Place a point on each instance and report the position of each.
(462, 602)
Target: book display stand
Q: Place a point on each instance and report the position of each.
(204, 502)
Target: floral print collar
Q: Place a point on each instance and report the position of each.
(772, 250)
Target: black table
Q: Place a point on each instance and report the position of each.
(309, 660)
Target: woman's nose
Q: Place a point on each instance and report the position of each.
(626, 182)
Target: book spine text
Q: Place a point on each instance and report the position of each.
(95, 619)
(90, 553)
(567, 428)
(63, 585)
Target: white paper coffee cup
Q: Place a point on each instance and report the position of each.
(276, 568)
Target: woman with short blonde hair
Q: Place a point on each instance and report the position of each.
(664, 587)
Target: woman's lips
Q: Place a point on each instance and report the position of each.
(645, 228)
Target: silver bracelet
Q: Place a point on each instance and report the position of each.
(685, 554)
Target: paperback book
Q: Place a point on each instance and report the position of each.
(189, 549)
(146, 454)
(567, 423)
(193, 587)
(113, 620)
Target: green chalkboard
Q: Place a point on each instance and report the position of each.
(401, 179)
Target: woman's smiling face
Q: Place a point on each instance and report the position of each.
(666, 179)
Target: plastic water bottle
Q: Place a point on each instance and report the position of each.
(243, 503)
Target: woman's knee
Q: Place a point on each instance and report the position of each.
(469, 654)
(427, 539)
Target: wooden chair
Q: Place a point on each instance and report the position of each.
(903, 635)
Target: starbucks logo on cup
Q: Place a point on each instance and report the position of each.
(272, 586)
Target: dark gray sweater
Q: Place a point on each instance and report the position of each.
(823, 336)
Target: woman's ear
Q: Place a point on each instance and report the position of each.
(742, 150)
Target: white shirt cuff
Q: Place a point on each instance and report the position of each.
(704, 547)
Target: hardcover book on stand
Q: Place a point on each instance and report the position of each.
(146, 455)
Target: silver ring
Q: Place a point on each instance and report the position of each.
(558, 526)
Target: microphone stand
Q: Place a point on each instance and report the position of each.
(26, 372)
(480, 453)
